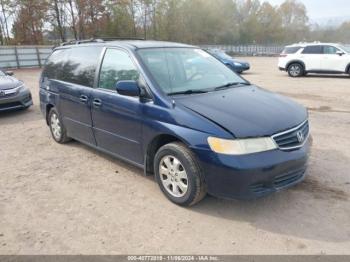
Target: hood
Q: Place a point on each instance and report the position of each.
(246, 111)
(233, 60)
(239, 61)
(8, 82)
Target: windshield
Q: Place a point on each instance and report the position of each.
(179, 70)
(221, 54)
(345, 48)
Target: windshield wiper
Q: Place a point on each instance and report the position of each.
(188, 92)
(229, 85)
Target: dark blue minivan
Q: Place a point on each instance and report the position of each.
(177, 112)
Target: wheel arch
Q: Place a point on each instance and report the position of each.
(296, 62)
(152, 148)
(347, 69)
(47, 111)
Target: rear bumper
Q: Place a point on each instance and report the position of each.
(281, 68)
(22, 99)
(255, 175)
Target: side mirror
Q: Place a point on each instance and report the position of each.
(127, 88)
(9, 73)
(340, 53)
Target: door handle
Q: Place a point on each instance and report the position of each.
(97, 102)
(84, 98)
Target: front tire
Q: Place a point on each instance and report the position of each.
(178, 174)
(58, 131)
(295, 70)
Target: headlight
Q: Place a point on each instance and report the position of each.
(241, 146)
(237, 64)
(18, 88)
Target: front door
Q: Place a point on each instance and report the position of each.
(331, 61)
(117, 118)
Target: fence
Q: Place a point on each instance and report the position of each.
(269, 50)
(23, 56)
(35, 56)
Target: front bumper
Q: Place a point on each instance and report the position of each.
(21, 99)
(240, 69)
(255, 175)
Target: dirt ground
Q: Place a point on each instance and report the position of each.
(69, 199)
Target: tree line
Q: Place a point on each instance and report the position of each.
(191, 21)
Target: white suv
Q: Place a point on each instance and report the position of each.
(303, 58)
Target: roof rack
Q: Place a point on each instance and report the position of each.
(120, 38)
(99, 40)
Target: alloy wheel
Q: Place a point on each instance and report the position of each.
(295, 70)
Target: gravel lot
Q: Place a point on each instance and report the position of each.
(69, 199)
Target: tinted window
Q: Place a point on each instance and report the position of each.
(54, 64)
(116, 66)
(80, 67)
(291, 50)
(330, 49)
(313, 49)
(74, 65)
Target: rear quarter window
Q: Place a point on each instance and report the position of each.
(313, 49)
(74, 65)
(54, 64)
(291, 50)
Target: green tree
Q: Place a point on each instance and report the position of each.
(269, 25)
(294, 21)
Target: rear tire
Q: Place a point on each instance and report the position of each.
(295, 70)
(178, 174)
(58, 131)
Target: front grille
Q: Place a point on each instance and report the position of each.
(259, 188)
(286, 179)
(277, 183)
(293, 138)
(8, 92)
(10, 105)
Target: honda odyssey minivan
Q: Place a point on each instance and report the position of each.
(177, 112)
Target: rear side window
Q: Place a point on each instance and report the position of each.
(291, 50)
(80, 66)
(74, 65)
(54, 64)
(313, 49)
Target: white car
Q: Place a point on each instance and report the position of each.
(300, 59)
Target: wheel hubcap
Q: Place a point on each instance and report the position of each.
(56, 126)
(295, 70)
(173, 176)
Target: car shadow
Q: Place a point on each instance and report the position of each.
(309, 210)
(20, 115)
(314, 209)
(289, 213)
(119, 163)
(328, 76)
(321, 76)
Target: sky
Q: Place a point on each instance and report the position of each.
(322, 10)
